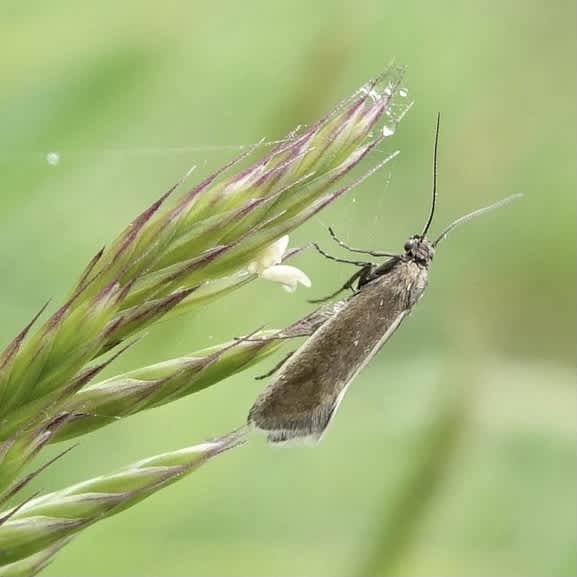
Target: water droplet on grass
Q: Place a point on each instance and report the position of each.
(53, 158)
(388, 131)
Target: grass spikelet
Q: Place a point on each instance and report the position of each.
(184, 251)
(45, 521)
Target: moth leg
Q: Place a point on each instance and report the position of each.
(361, 275)
(278, 337)
(304, 327)
(365, 275)
(358, 263)
(361, 251)
(276, 367)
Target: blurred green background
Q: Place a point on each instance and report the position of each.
(454, 453)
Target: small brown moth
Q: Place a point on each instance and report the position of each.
(305, 395)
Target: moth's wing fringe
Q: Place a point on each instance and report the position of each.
(304, 428)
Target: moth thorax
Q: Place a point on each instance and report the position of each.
(419, 250)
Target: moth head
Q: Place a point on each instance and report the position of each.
(419, 250)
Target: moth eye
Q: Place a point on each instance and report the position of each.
(408, 245)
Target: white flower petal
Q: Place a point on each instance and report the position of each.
(270, 255)
(273, 253)
(281, 245)
(265, 261)
(288, 276)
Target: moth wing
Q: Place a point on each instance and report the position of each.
(294, 406)
(300, 404)
(304, 397)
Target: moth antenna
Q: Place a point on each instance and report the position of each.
(434, 201)
(475, 214)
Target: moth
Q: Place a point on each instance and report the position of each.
(301, 401)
